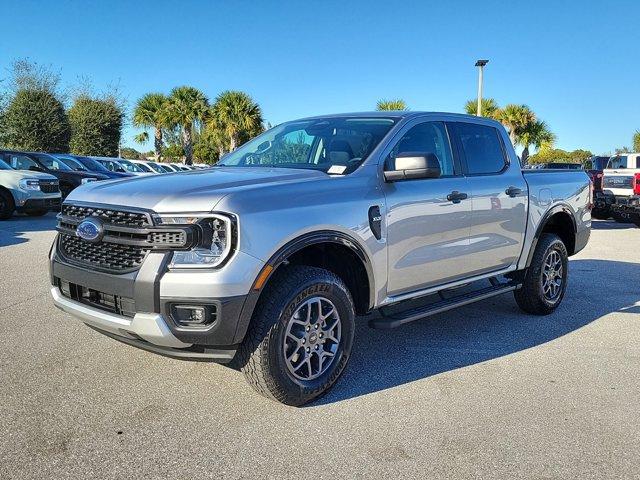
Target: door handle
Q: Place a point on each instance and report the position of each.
(456, 196)
(513, 191)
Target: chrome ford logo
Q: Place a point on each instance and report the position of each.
(90, 230)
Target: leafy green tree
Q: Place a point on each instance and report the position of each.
(397, 104)
(186, 107)
(237, 115)
(35, 120)
(131, 153)
(636, 141)
(32, 115)
(489, 108)
(149, 112)
(173, 152)
(142, 138)
(96, 126)
(546, 154)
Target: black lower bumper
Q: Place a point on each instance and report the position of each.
(40, 204)
(139, 292)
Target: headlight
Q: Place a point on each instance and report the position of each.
(216, 238)
(87, 180)
(29, 184)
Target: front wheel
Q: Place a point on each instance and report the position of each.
(301, 335)
(545, 281)
(6, 205)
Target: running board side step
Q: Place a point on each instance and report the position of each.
(410, 315)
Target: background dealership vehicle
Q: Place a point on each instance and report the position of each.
(33, 193)
(43, 162)
(88, 164)
(265, 260)
(601, 202)
(149, 166)
(121, 165)
(622, 176)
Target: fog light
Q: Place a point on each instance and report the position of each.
(193, 315)
(65, 288)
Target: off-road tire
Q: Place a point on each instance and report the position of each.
(530, 297)
(36, 213)
(6, 205)
(261, 355)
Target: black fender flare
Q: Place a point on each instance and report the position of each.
(291, 247)
(559, 208)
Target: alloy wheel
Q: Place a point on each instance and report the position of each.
(552, 276)
(312, 338)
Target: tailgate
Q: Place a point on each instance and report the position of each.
(619, 183)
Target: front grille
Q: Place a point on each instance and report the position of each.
(49, 186)
(127, 238)
(104, 255)
(107, 215)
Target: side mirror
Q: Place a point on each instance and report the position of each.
(412, 165)
(35, 168)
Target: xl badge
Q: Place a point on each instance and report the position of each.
(90, 230)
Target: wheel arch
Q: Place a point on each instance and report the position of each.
(559, 220)
(335, 251)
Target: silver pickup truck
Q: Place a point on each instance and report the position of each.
(266, 260)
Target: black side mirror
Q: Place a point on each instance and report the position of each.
(412, 165)
(35, 168)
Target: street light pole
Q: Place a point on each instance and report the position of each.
(480, 64)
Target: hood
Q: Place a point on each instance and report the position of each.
(18, 175)
(82, 174)
(194, 191)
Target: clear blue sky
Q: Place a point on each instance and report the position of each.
(577, 64)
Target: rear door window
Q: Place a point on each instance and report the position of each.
(482, 148)
(21, 162)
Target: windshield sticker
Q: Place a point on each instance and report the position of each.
(336, 169)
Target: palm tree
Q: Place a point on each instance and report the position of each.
(143, 137)
(149, 112)
(516, 118)
(397, 104)
(186, 107)
(237, 115)
(489, 108)
(537, 134)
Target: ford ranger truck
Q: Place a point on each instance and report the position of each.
(33, 193)
(266, 260)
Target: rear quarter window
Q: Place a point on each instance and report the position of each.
(482, 148)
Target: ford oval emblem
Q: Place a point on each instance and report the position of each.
(90, 230)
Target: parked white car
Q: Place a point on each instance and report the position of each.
(621, 178)
(149, 166)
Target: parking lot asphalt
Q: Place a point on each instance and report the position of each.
(480, 392)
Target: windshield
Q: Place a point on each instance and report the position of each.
(92, 164)
(618, 161)
(155, 167)
(129, 166)
(333, 145)
(143, 167)
(72, 163)
(4, 166)
(52, 163)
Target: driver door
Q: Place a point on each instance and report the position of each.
(427, 228)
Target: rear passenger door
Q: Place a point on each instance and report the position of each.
(498, 195)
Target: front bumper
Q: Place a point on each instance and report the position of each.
(144, 299)
(48, 203)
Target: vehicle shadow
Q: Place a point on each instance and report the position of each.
(12, 231)
(383, 359)
(610, 225)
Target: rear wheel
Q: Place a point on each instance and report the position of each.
(301, 336)
(6, 205)
(545, 281)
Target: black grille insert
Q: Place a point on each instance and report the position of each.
(49, 186)
(107, 215)
(109, 256)
(104, 301)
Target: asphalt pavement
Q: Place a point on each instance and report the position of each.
(480, 392)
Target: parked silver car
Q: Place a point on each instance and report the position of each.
(266, 259)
